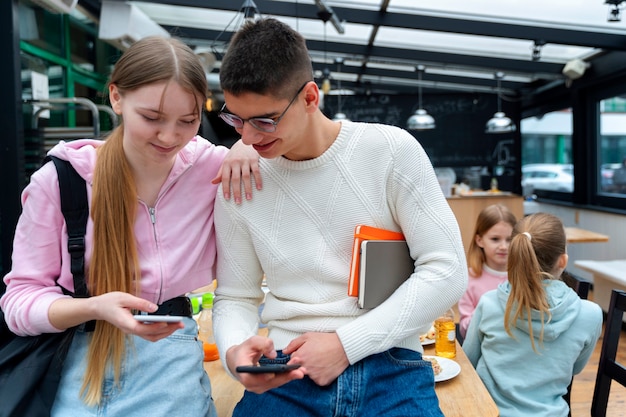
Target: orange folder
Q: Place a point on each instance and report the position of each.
(361, 233)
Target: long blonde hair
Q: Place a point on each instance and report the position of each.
(487, 218)
(538, 242)
(114, 262)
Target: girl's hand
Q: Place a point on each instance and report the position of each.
(240, 161)
(117, 308)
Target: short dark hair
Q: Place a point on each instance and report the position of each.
(266, 57)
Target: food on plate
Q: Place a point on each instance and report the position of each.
(435, 363)
(428, 335)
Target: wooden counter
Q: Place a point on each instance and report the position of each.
(467, 208)
(462, 396)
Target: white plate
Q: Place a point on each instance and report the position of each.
(428, 341)
(449, 368)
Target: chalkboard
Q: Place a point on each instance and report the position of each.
(459, 139)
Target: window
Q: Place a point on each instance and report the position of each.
(547, 153)
(612, 146)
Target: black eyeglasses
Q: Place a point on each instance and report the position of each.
(264, 124)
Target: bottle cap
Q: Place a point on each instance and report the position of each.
(207, 300)
(195, 305)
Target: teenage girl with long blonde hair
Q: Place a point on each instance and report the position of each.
(150, 240)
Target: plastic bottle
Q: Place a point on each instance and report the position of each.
(445, 336)
(494, 184)
(205, 328)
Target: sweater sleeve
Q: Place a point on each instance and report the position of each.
(433, 236)
(239, 279)
(37, 247)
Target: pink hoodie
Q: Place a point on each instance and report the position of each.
(175, 239)
(476, 287)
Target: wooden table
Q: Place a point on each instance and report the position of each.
(462, 396)
(577, 235)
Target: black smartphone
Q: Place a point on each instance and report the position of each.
(264, 369)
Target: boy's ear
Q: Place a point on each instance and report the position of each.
(312, 95)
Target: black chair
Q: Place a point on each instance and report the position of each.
(578, 284)
(608, 368)
(581, 287)
(457, 328)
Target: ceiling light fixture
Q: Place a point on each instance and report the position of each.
(499, 123)
(339, 115)
(536, 56)
(325, 72)
(615, 11)
(420, 120)
(249, 10)
(327, 10)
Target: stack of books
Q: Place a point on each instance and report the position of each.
(381, 262)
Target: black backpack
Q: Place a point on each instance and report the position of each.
(30, 367)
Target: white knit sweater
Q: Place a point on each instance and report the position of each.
(298, 231)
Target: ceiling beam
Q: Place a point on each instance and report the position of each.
(398, 55)
(468, 25)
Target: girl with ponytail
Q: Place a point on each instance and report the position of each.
(528, 337)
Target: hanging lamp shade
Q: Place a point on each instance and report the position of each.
(339, 117)
(499, 123)
(420, 120)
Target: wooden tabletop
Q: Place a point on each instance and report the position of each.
(462, 396)
(577, 235)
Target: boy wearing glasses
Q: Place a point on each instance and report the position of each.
(322, 178)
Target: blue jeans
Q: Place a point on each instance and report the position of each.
(164, 378)
(392, 383)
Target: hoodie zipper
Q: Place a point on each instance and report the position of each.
(152, 214)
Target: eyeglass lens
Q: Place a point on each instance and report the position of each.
(261, 123)
(267, 125)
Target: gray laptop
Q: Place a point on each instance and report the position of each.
(385, 265)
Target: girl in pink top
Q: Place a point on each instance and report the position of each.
(150, 239)
(486, 258)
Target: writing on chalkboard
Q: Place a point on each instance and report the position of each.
(461, 105)
(459, 139)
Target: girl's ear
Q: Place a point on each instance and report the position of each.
(479, 241)
(562, 263)
(115, 98)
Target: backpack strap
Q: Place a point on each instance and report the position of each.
(75, 208)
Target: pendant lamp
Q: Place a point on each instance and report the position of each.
(499, 123)
(420, 120)
(339, 116)
(325, 72)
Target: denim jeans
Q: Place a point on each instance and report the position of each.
(158, 379)
(392, 383)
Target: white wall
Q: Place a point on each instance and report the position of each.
(613, 225)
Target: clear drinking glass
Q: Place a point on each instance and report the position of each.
(445, 336)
